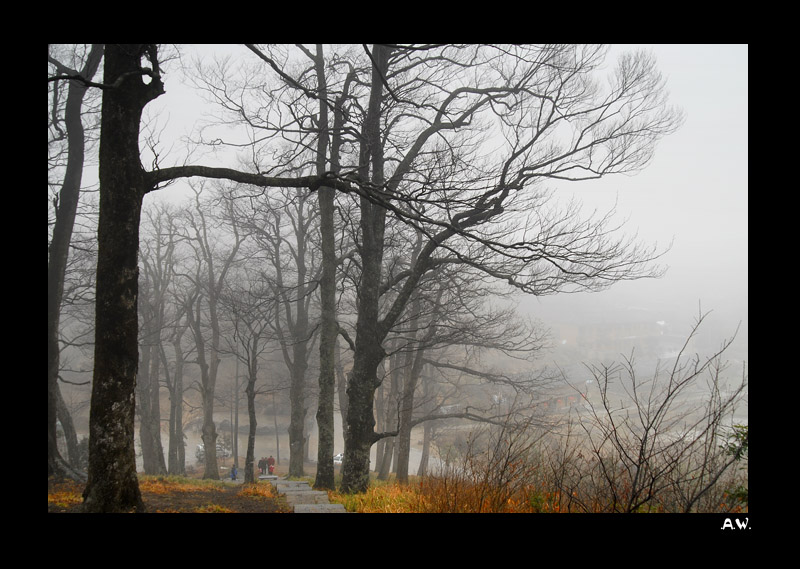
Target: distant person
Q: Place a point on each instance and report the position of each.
(262, 465)
(233, 472)
(271, 464)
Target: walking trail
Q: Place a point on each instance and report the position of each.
(302, 498)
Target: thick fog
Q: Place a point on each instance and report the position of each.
(692, 195)
(690, 202)
(691, 199)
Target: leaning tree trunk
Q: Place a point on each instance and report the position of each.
(112, 484)
(59, 253)
(70, 435)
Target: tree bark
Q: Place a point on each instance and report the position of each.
(176, 458)
(297, 418)
(341, 381)
(387, 416)
(112, 484)
(327, 339)
(359, 434)
(250, 391)
(406, 414)
(328, 332)
(143, 387)
(70, 435)
(369, 353)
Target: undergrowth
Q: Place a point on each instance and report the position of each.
(442, 495)
(178, 494)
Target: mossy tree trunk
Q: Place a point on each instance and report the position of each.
(112, 484)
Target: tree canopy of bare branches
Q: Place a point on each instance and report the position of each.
(456, 142)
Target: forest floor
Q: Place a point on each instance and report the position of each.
(184, 495)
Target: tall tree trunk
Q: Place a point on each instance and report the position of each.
(112, 484)
(209, 365)
(341, 381)
(250, 456)
(328, 346)
(148, 386)
(299, 338)
(70, 435)
(277, 434)
(235, 422)
(369, 352)
(424, 460)
(327, 377)
(154, 393)
(389, 419)
(176, 454)
(297, 395)
(149, 461)
(209, 435)
(412, 374)
(59, 251)
(149, 400)
(380, 422)
(209, 432)
(327, 284)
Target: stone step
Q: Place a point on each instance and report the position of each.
(291, 486)
(319, 509)
(304, 499)
(311, 497)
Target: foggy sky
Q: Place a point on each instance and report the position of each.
(693, 193)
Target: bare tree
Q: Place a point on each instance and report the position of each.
(282, 226)
(432, 101)
(157, 254)
(291, 129)
(65, 205)
(176, 451)
(215, 259)
(132, 78)
(467, 194)
(658, 443)
(250, 306)
(454, 324)
(112, 483)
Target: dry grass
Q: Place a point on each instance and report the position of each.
(172, 494)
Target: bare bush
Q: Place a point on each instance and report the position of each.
(663, 444)
(491, 470)
(658, 444)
